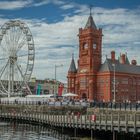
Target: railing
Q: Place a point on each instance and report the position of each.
(127, 122)
(104, 105)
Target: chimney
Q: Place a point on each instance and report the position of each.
(113, 55)
(134, 62)
(123, 58)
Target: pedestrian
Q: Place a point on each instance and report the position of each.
(78, 115)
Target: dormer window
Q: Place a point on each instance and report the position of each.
(94, 46)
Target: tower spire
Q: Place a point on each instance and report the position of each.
(90, 23)
(72, 55)
(72, 65)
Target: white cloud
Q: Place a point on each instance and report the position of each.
(56, 42)
(137, 43)
(11, 5)
(58, 2)
(67, 6)
(18, 4)
(44, 2)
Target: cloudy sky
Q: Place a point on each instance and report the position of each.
(55, 23)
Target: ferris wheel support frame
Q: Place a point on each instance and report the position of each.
(17, 36)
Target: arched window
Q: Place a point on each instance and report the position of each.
(94, 45)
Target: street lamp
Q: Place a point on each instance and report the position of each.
(57, 66)
(114, 83)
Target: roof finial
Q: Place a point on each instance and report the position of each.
(72, 55)
(90, 6)
(90, 23)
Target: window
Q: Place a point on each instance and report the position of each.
(72, 82)
(124, 81)
(83, 82)
(94, 46)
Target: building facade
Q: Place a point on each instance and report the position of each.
(114, 80)
(47, 86)
(36, 86)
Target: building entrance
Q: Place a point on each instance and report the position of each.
(84, 96)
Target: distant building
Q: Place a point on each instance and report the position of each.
(36, 86)
(115, 79)
(47, 86)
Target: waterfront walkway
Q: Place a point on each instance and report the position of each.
(69, 103)
(103, 119)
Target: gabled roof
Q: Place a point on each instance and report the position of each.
(72, 66)
(106, 66)
(125, 68)
(127, 61)
(90, 23)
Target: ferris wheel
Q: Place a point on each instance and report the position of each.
(17, 55)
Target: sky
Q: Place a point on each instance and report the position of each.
(55, 25)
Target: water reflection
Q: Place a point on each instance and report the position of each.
(15, 131)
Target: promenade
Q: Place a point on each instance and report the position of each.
(69, 103)
(93, 118)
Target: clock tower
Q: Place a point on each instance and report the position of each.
(83, 80)
(89, 62)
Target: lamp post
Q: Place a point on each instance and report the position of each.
(57, 66)
(114, 83)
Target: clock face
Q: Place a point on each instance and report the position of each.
(83, 70)
(85, 46)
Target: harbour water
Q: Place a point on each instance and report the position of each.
(18, 131)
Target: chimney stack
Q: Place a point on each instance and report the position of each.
(134, 62)
(123, 58)
(113, 55)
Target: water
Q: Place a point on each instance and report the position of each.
(17, 131)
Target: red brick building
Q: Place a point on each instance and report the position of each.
(115, 79)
